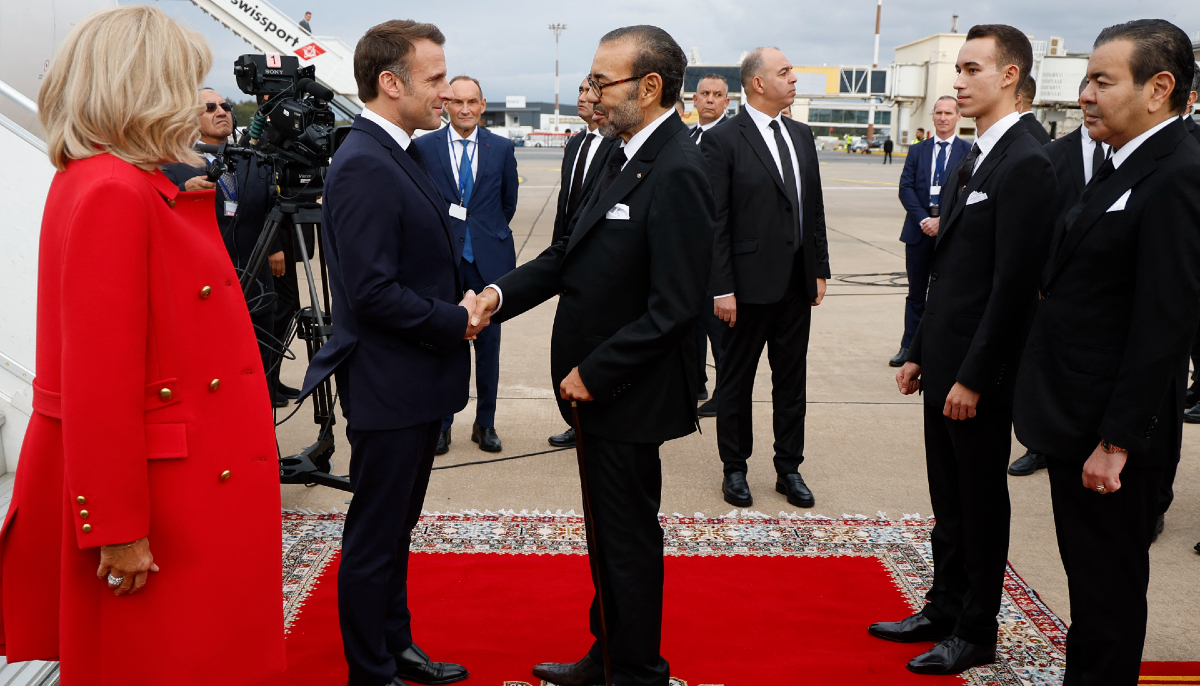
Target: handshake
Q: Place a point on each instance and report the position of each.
(480, 308)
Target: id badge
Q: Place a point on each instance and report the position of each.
(458, 212)
(935, 190)
(230, 208)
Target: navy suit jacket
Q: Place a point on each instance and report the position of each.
(493, 199)
(914, 183)
(397, 345)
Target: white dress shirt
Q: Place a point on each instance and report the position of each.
(1126, 150)
(705, 127)
(1089, 147)
(587, 162)
(934, 155)
(638, 139)
(394, 131)
(456, 151)
(763, 122)
(993, 135)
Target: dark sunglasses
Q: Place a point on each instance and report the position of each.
(211, 107)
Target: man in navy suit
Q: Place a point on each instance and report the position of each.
(398, 350)
(475, 172)
(925, 171)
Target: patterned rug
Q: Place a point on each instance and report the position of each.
(1032, 638)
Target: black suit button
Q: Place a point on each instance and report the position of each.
(933, 276)
(1045, 295)
(461, 240)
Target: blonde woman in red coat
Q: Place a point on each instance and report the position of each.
(143, 541)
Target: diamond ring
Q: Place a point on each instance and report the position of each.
(115, 581)
(1100, 488)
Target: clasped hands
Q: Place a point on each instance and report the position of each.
(960, 402)
(479, 314)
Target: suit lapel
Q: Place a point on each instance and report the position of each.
(980, 177)
(754, 137)
(410, 167)
(445, 166)
(484, 153)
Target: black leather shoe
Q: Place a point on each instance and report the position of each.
(443, 445)
(1191, 397)
(582, 673)
(413, 664)
(914, 629)
(899, 358)
(1159, 525)
(287, 391)
(952, 656)
(565, 439)
(487, 439)
(1027, 464)
(736, 490)
(709, 408)
(702, 395)
(797, 492)
(279, 400)
(1192, 415)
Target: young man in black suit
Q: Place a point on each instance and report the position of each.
(770, 263)
(631, 277)
(1025, 95)
(992, 242)
(578, 175)
(399, 347)
(1101, 386)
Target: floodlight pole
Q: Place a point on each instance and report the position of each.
(871, 76)
(558, 29)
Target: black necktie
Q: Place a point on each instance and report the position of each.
(576, 194)
(789, 182)
(416, 155)
(615, 161)
(1098, 156)
(968, 166)
(1106, 170)
(696, 134)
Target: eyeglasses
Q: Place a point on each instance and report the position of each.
(211, 107)
(598, 88)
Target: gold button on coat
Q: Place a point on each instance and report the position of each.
(81, 500)
(83, 514)
(165, 394)
(170, 203)
(214, 385)
(205, 292)
(225, 475)
(87, 528)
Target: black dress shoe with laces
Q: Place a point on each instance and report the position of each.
(487, 439)
(583, 673)
(952, 656)
(797, 492)
(899, 358)
(914, 629)
(1027, 464)
(709, 408)
(736, 490)
(413, 664)
(565, 439)
(443, 445)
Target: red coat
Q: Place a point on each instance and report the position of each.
(151, 418)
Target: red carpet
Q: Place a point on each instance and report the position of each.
(1176, 673)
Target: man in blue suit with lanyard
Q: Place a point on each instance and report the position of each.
(928, 165)
(476, 174)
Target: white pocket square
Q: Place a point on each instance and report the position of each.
(975, 197)
(618, 211)
(1121, 201)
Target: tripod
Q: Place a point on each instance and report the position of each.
(312, 465)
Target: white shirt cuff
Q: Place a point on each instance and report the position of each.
(500, 293)
(722, 296)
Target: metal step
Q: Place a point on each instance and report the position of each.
(32, 673)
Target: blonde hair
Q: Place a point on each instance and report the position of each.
(125, 83)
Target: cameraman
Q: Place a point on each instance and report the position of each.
(242, 202)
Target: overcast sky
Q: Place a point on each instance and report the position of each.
(508, 47)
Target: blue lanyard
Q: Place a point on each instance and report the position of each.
(229, 195)
(457, 163)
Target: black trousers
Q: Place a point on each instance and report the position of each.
(887, 157)
(389, 472)
(709, 329)
(626, 490)
(487, 356)
(918, 260)
(967, 462)
(783, 327)
(1104, 541)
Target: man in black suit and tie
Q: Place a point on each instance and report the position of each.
(399, 346)
(992, 242)
(1101, 386)
(578, 175)
(770, 263)
(631, 277)
(1025, 95)
(926, 174)
(710, 103)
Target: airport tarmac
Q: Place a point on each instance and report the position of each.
(864, 446)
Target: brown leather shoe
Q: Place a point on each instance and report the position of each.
(582, 673)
